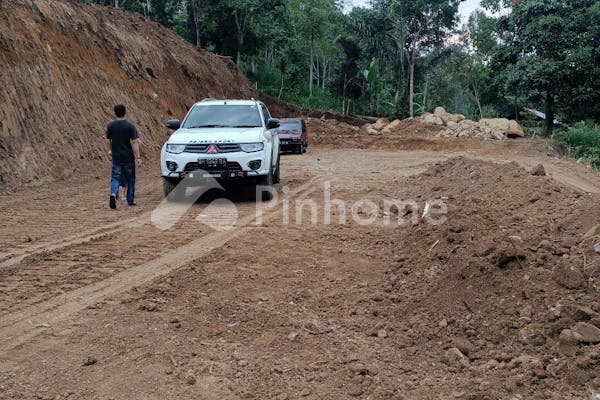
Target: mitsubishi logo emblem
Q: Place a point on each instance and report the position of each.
(212, 149)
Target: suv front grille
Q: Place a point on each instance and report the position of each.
(228, 147)
(231, 166)
(196, 148)
(221, 147)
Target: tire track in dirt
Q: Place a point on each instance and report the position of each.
(564, 172)
(20, 327)
(12, 258)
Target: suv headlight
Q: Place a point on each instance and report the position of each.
(252, 147)
(175, 148)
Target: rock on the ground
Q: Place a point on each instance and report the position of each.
(496, 128)
(392, 126)
(447, 117)
(538, 170)
(89, 361)
(567, 276)
(580, 313)
(496, 124)
(490, 128)
(514, 130)
(369, 129)
(381, 123)
(568, 341)
(525, 361)
(433, 120)
(588, 332)
(597, 248)
(464, 345)
(190, 379)
(454, 356)
(440, 111)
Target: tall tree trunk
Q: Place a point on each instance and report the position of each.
(240, 23)
(411, 87)
(344, 94)
(325, 70)
(312, 68)
(477, 100)
(549, 114)
(196, 16)
(425, 92)
(280, 88)
(317, 70)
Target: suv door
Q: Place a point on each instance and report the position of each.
(273, 134)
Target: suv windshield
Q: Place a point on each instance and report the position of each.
(223, 116)
(290, 126)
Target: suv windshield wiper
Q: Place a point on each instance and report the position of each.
(246, 126)
(208, 126)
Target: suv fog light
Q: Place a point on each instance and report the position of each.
(171, 166)
(254, 165)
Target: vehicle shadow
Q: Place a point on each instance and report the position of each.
(236, 192)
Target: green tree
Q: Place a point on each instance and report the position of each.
(312, 19)
(481, 30)
(417, 27)
(551, 49)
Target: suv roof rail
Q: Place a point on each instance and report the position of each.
(207, 99)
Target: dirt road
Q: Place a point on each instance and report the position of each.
(101, 304)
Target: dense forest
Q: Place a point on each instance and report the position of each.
(400, 58)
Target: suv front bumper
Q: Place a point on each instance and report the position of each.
(237, 165)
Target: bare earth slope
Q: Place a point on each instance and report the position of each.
(65, 64)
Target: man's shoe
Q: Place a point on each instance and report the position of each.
(132, 204)
(113, 201)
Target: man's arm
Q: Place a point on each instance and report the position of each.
(135, 145)
(109, 140)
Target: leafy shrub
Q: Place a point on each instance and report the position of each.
(583, 142)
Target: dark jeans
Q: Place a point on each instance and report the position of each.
(123, 172)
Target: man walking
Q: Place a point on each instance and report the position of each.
(125, 150)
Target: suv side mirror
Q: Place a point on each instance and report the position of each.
(173, 124)
(273, 123)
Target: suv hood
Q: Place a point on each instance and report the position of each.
(217, 135)
(289, 134)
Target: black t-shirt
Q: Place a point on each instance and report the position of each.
(121, 133)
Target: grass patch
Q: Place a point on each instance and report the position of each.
(582, 142)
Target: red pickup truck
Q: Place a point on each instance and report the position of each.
(293, 135)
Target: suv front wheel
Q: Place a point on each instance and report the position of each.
(168, 186)
(277, 175)
(268, 181)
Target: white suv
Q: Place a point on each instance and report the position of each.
(225, 140)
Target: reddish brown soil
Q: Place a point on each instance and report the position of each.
(102, 304)
(108, 306)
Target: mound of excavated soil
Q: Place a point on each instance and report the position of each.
(66, 64)
(506, 293)
(331, 131)
(407, 134)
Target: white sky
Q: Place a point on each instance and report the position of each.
(465, 8)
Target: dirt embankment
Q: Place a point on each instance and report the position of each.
(509, 285)
(65, 65)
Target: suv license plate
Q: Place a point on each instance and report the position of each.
(212, 163)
